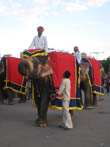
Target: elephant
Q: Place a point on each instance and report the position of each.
(1, 77)
(8, 92)
(103, 77)
(5, 92)
(85, 86)
(90, 73)
(39, 71)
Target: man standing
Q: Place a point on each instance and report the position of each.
(64, 91)
(39, 41)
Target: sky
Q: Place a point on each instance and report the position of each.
(67, 23)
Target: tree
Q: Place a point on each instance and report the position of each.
(106, 65)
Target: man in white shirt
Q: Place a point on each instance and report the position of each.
(77, 54)
(64, 91)
(39, 41)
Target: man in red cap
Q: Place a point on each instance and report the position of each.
(39, 41)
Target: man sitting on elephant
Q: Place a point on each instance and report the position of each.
(39, 70)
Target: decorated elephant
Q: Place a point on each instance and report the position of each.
(46, 74)
(1, 83)
(85, 86)
(39, 71)
(4, 93)
(86, 80)
(90, 81)
(11, 81)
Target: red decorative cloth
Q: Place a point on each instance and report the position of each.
(61, 62)
(12, 70)
(96, 71)
(13, 79)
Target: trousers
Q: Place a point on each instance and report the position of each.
(67, 120)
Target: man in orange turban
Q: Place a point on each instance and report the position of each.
(40, 28)
(39, 41)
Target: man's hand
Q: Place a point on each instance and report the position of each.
(53, 98)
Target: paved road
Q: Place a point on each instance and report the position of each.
(91, 127)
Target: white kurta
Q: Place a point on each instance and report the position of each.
(78, 56)
(39, 43)
(64, 90)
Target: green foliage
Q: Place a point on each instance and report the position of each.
(106, 64)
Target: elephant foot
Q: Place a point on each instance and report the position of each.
(101, 98)
(11, 103)
(88, 107)
(43, 124)
(1, 102)
(96, 105)
(21, 101)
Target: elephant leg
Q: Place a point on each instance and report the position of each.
(44, 94)
(88, 99)
(1, 97)
(95, 101)
(81, 97)
(22, 98)
(44, 105)
(10, 97)
(42, 101)
(37, 98)
(37, 102)
(87, 93)
(101, 97)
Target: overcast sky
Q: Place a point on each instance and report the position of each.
(67, 23)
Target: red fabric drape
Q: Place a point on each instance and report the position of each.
(96, 71)
(61, 62)
(12, 73)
